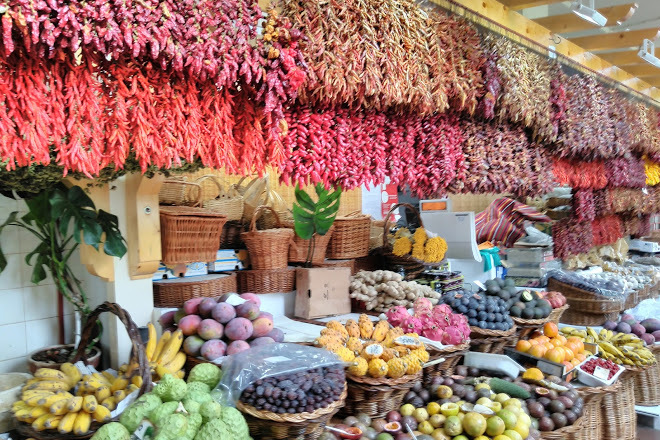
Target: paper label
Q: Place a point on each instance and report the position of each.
(235, 300)
(276, 359)
(602, 373)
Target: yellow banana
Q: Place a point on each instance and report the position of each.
(50, 374)
(567, 330)
(56, 397)
(52, 421)
(161, 371)
(110, 403)
(131, 388)
(33, 401)
(180, 374)
(60, 407)
(130, 369)
(38, 424)
(119, 395)
(108, 376)
(102, 393)
(82, 422)
(72, 373)
(102, 414)
(137, 381)
(165, 337)
(607, 346)
(171, 348)
(74, 404)
(32, 393)
(119, 384)
(89, 404)
(177, 363)
(66, 424)
(150, 348)
(591, 332)
(50, 385)
(19, 405)
(25, 415)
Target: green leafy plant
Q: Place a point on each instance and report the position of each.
(63, 218)
(314, 218)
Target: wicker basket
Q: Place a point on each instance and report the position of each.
(368, 263)
(350, 238)
(299, 248)
(452, 356)
(376, 397)
(228, 202)
(273, 426)
(583, 301)
(647, 383)
(339, 263)
(174, 292)
(231, 235)
(574, 317)
(555, 315)
(411, 266)
(268, 249)
(491, 341)
(526, 327)
(267, 281)
(138, 356)
(376, 234)
(564, 433)
(591, 421)
(189, 235)
(179, 192)
(618, 409)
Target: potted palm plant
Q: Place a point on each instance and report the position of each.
(62, 219)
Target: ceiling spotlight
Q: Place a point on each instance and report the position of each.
(586, 10)
(647, 53)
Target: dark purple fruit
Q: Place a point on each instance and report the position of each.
(556, 406)
(417, 402)
(410, 395)
(536, 409)
(394, 416)
(571, 417)
(559, 420)
(438, 381)
(410, 421)
(471, 396)
(417, 387)
(546, 424)
(424, 395)
(544, 401)
(461, 370)
(454, 399)
(473, 371)
(568, 403)
(448, 381)
(379, 424)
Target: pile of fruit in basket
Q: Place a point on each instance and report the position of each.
(215, 328)
(555, 347)
(648, 330)
(418, 244)
(487, 312)
(381, 289)
(590, 367)
(555, 299)
(65, 401)
(529, 305)
(437, 323)
(621, 348)
(374, 350)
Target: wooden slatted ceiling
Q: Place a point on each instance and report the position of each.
(566, 23)
(523, 4)
(643, 70)
(616, 40)
(622, 58)
(653, 80)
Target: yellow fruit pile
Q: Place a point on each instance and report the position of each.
(68, 402)
(419, 245)
(374, 350)
(163, 354)
(620, 348)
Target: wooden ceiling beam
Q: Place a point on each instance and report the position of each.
(566, 23)
(622, 58)
(524, 4)
(643, 70)
(616, 40)
(653, 80)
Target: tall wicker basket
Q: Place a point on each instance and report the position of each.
(268, 249)
(350, 238)
(376, 397)
(189, 235)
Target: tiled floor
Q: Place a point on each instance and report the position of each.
(648, 434)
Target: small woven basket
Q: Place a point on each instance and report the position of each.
(267, 281)
(138, 356)
(574, 317)
(376, 397)
(556, 314)
(647, 384)
(268, 249)
(350, 238)
(228, 202)
(299, 247)
(619, 411)
(189, 235)
(491, 341)
(452, 355)
(231, 235)
(591, 421)
(412, 266)
(268, 425)
(179, 192)
(584, 301)
(174, 292)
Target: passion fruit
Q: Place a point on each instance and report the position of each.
(568, 403)
(392, 427)
(444, 392)
(571, 417)
(559, 419)
(546, 424)
(409, 421)
(351, 433)
(394, 416)
(556, 406)
(540, 391)
(379, 424)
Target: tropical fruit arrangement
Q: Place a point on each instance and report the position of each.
(374, 350)
(66, 401)
(555, 346)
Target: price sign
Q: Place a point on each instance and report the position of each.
(602, 373)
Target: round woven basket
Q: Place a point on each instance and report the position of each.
(138, 356)
(575, 317)
(557, 313)
(268, 249)
(647, 382)
(584, 301)
(304, 426)
(350, 239)
(591, 421)
(376, 396)
(231, 235)
(227, 202)
(564, 433)
(526, 327)
(174, 292)
(452, 355)
(267, 281)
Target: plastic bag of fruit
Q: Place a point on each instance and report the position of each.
(301, 378)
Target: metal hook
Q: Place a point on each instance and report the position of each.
(556, 39)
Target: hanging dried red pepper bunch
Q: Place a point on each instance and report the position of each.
(584, 207)
(626, 172)
(635, 201)
(578, 174)
(492, 84)
(499, 159)
(637, 225)
(602, 202)
(557, 99)
(644, 125)
(606, 230)
(571, 238)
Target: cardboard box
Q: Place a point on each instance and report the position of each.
(322, 292)
(225, 260)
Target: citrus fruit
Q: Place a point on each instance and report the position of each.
(481, 386)
(501, 397)
(550, 329)
(495, 406)
(437, 420)
(449, 409)
(495, 426)
(508, 417)
(538, 350)
(522, 428)
(453, 426)
(485, 401)
(555, 355)
(474, 424)
(516, 403)
(513, 435)
(523, 346)
(433, 408)
(533, 374)
(425, 427)
(501, 437)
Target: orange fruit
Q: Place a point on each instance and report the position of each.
(533, 374)
(575, 362)
(543, 338)
(533, 341)
(537, 350)
(556, 355)
(550, 329)
(580, 357)
(549, 345)
(569, 354)
(556, 342)
(568, 366)
(562, 338)
(573, 347)
(523, 346)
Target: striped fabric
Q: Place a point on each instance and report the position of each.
(503, 223)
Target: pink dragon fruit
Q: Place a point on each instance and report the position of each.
(452, 336)
(397, 315)
(422, 305)
(412, 324)
(434, 333)
(441, 315)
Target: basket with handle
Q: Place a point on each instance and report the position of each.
(350, 238)
(267, 281)
(376, 396)
(179, 192)
(138, 356)
(412, 266)
(269, 248)
(253, 194)
(229, 202)
(189, 235)
(300, 247)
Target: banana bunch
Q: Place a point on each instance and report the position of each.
(164, 355)
(68, 402)
(621, 348)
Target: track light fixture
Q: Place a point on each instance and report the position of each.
(586, 10)
(647, 53)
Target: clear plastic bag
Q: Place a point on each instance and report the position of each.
(243, 369)
(609, 286)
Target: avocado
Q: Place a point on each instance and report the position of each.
(538, 313)
(526, 296)
(515, 311)
(509, 282)
(528, 313)
(512, 290)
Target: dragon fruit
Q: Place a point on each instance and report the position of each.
(422, 305)
(434, 333)
(412, 324)
(452, 336)
(397, 315)
(442, 315)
